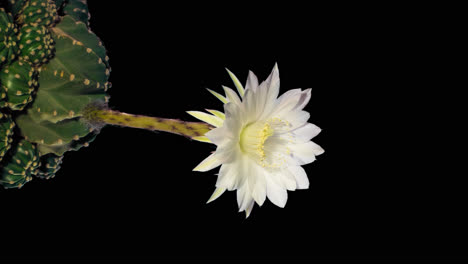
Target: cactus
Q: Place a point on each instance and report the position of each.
(54, 78)
(8, 38)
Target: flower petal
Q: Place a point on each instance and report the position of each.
(296, 119)
(292, 100)
(210, 119)
(249, 208)
(219, 96)
(217, 135)
(217, 113)
(209, 163)
(231, 95)
(252, 82)
(227, 177)
(238, 85)
(202, 139)
(217, 193)
(304, 99)
(273, 85)
(243, 197)
(305, 152)
(306, 132)
(276, 194)
(259, 188)
(302, 182)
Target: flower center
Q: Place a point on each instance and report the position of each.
(265, 142)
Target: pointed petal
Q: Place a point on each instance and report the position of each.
(272, 92)
(296, 119)
(249, 208)
(217, 113)
(305, 152)
(276, 194)
(210, 119)
(202, 139)
(227, 177)
(207, 164)
(217, 193)
(252, 82)
(302, 182)
(304, 99)
(259, 191)
(291, 101)
(238, 85)
(306, 132)
(218, 135)
(243, 197)
(231, 95)
(219, 96)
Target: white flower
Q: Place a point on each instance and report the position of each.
(261, 140)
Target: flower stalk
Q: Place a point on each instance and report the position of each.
(98, 115)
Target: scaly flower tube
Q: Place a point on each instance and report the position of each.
(261, 141)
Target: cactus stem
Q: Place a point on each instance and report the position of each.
(99, 115)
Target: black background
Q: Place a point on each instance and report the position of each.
(378, 191)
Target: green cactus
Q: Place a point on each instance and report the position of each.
(38, 12)
(77, 9)
(54, 78)
(36, 44)
(19, 81)
(23, 162)
(8, 38)
(6, 134)
(15, 6)
(50, 164)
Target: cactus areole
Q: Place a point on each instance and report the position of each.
(54, 75)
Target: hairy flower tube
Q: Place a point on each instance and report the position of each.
(262, 141)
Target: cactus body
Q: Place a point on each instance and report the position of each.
(8, 38)
(78, 9)
(6, 133)
(16, 6)
(50, 164)
(19, 81)
(36, 44)
(38, 12)
(52, 68)
(23, 162)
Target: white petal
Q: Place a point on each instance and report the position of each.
(234, 118)
(217, 193)
(292, 100)
(259, 189)
(288, 179)
(202, 139)
(219, 96)
(306, 132)
(217, 113)
(276, 194)
(252, 82)
(218, 135)
(238, 85)
(296, 119)
(210, 119)
(249, 208)
(209, 163)
(231, 95)
(227, 177)
(304, 99)
(305, 152)
(243, 197)
(272, 92)
(302, 182)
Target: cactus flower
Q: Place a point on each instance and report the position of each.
(261, 141)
